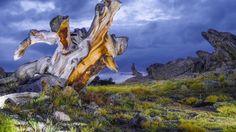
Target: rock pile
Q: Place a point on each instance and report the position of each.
(223, 58)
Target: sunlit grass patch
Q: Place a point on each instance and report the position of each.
(67, 97)
(228, 109)
(188, 126)
(217, 98)
(7, 124)
(209, 121)
(191, 100)
(211, 99)
(118, 88)
(166, 85)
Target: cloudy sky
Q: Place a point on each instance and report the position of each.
(158, 30)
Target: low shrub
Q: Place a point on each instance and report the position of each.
(191, 100)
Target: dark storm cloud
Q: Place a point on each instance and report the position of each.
(158, 31)
(161, 41)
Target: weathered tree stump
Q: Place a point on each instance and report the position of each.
(81, 54)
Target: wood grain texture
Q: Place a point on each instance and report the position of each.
(81, 54)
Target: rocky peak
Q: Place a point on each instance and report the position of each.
(224, 44)
(135, 72)
(223, 57)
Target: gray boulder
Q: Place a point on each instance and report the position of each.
(171, 69)
(61, 116)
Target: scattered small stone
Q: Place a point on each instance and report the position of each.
(156, 118)
(121, 121)
(38, 117)
(92, 108)
(131, 96)
(115, 98)
(101, 119)
(61, 116)
(138, 120)
(192, 115)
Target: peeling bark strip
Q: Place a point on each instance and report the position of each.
(80, 55)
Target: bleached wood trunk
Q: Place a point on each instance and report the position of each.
(80, 55)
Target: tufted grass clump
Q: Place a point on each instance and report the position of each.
(151, 125)
(227, 109)
(7, 124)
(66, 97)
(196, 85)
(223, 98)
(217, 98)
(211, 99)
(191, 100)
(191, 127)
(166, 85)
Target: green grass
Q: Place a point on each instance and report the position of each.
(185, 92)
(7, 124)
(212, 99)
(191, 100)
(227, 108)
(165, 104)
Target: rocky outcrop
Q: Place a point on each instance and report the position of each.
(135, 72)
(172, 68)
(137, 76)
(224, 44)
(2, 73)
(223, 58)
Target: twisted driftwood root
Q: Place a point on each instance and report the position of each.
(80, 55)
